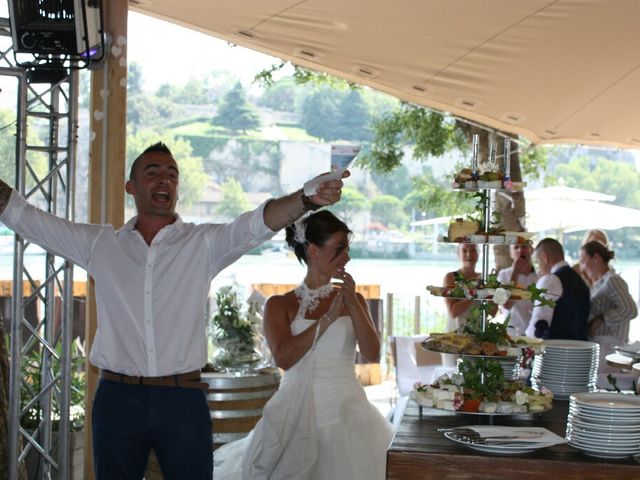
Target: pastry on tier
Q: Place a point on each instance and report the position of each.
(466, 179)
(460, 229)
(470, 344)
(462, 343)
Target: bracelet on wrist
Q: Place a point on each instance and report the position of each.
(308, 204)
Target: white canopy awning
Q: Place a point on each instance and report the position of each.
(554, 71)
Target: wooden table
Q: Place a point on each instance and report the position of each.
(419, 451)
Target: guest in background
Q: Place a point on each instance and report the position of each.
(591, 236)
(458, 309)
(612, 307)
(522, 274)
(568, 318)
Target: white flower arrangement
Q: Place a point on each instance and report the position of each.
(501, 296)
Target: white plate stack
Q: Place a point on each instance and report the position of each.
(510, 367)
(566, 367)
(605, 425)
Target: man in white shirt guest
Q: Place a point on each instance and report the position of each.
(152, 278)
(521, 274)
(568, 319)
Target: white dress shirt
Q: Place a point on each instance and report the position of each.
(521, 310)
(151, 299)
(551, 283)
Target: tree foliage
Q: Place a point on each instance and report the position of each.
(135, 79)
(351, 202)
(37, 160)
(353, 117)
(300, 75)
(434, 198)
(320, 114)
(388, 210)
(281, 95)
(602, 175)
(234, 200)
(194, 92)
(8, 146)
(429, 133)
(397, 183)
(145, 110)
(235, 112)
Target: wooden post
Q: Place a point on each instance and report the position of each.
(416, 316)
(106, 167)
(389, 358)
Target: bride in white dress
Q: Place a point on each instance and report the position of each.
(319, 425)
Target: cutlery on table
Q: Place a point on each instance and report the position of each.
(474, 435)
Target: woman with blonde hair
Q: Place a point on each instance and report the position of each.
(458, 309)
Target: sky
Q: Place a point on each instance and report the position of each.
(172, 54)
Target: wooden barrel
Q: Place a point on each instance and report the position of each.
(236, 402)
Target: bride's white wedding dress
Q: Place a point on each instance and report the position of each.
(319, 425)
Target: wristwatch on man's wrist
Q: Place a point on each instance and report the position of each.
(308, 204)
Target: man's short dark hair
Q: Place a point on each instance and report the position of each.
(551, 247)
(156, 147)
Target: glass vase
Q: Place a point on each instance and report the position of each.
(235, 356)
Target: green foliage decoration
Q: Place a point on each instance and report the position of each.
(484, 377)
(430, 134)
(234, 332)
(31, 384)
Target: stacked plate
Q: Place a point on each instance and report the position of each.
(605, 425)
(566, 367)
(510, 367)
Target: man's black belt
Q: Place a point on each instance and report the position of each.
(186, 380)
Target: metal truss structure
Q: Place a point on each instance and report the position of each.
(42, 296)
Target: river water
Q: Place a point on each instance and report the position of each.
(403, 278)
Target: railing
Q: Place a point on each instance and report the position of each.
(400, 314)
(410, 315)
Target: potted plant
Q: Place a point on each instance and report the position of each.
(33, 414)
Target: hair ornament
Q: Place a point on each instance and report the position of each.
(300, 228)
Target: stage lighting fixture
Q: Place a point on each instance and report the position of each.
(51, 33)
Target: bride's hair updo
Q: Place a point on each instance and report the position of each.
(595, 247)
(317, 228)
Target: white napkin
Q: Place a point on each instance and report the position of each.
(311, 186)
(341, 157)
(534, 435)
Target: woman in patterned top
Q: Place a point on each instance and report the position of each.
(612, 307)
